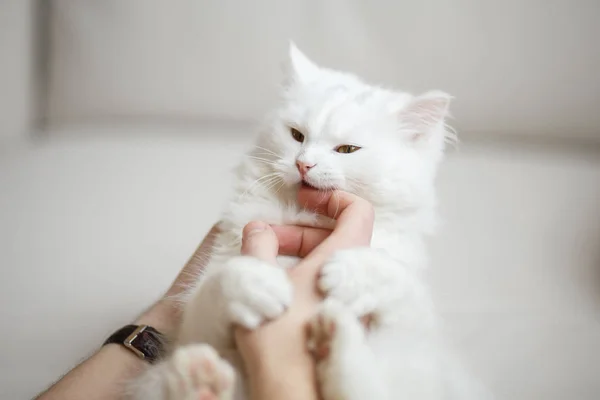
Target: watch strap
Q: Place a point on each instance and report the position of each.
(142, 340)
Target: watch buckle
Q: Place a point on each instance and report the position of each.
(129, 340)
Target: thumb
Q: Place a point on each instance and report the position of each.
(260, 241)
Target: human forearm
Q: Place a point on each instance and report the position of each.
(105, 374)
(102, 376)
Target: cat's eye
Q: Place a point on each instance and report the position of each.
(347, 148)
(297, 135)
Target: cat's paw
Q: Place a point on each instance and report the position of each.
(373, 285)
(344, 362)
(333, 326)
(254, 291)
(196, 372)
(359, 278)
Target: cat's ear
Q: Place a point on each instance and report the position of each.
(300, 68)
(425, 114)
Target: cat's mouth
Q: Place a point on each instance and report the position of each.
(306, 183)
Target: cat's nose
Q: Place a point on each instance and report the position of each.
(303, 167)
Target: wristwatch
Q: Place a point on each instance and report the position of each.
(144, 341)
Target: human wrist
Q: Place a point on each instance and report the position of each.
(296, 364)
(276, 376)
(279, 343)
(266, 361)
(162, 316)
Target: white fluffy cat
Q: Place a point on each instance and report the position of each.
(332, 131)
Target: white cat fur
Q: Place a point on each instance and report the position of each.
(402, 140)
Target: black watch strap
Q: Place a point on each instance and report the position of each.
(144, 341)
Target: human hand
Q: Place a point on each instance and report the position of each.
(282, 342)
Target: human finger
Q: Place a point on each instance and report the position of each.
(298, 240)
(259, 240)
(354, 220)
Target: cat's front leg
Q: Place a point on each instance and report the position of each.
(373, 284)
(244, 291)
(346, 367)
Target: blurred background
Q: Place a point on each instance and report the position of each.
(121, 119)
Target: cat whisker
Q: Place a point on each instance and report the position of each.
(259, 181)
(281, 184)
(268, 151)
(451, 136)
(266, 180)
(263, 160)
(272, 183)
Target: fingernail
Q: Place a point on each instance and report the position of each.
(255, 231)
(255, 227)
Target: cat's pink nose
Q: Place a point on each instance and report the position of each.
(303, 167)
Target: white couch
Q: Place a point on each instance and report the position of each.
(120, 122)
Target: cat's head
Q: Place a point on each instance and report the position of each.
(333, 131)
